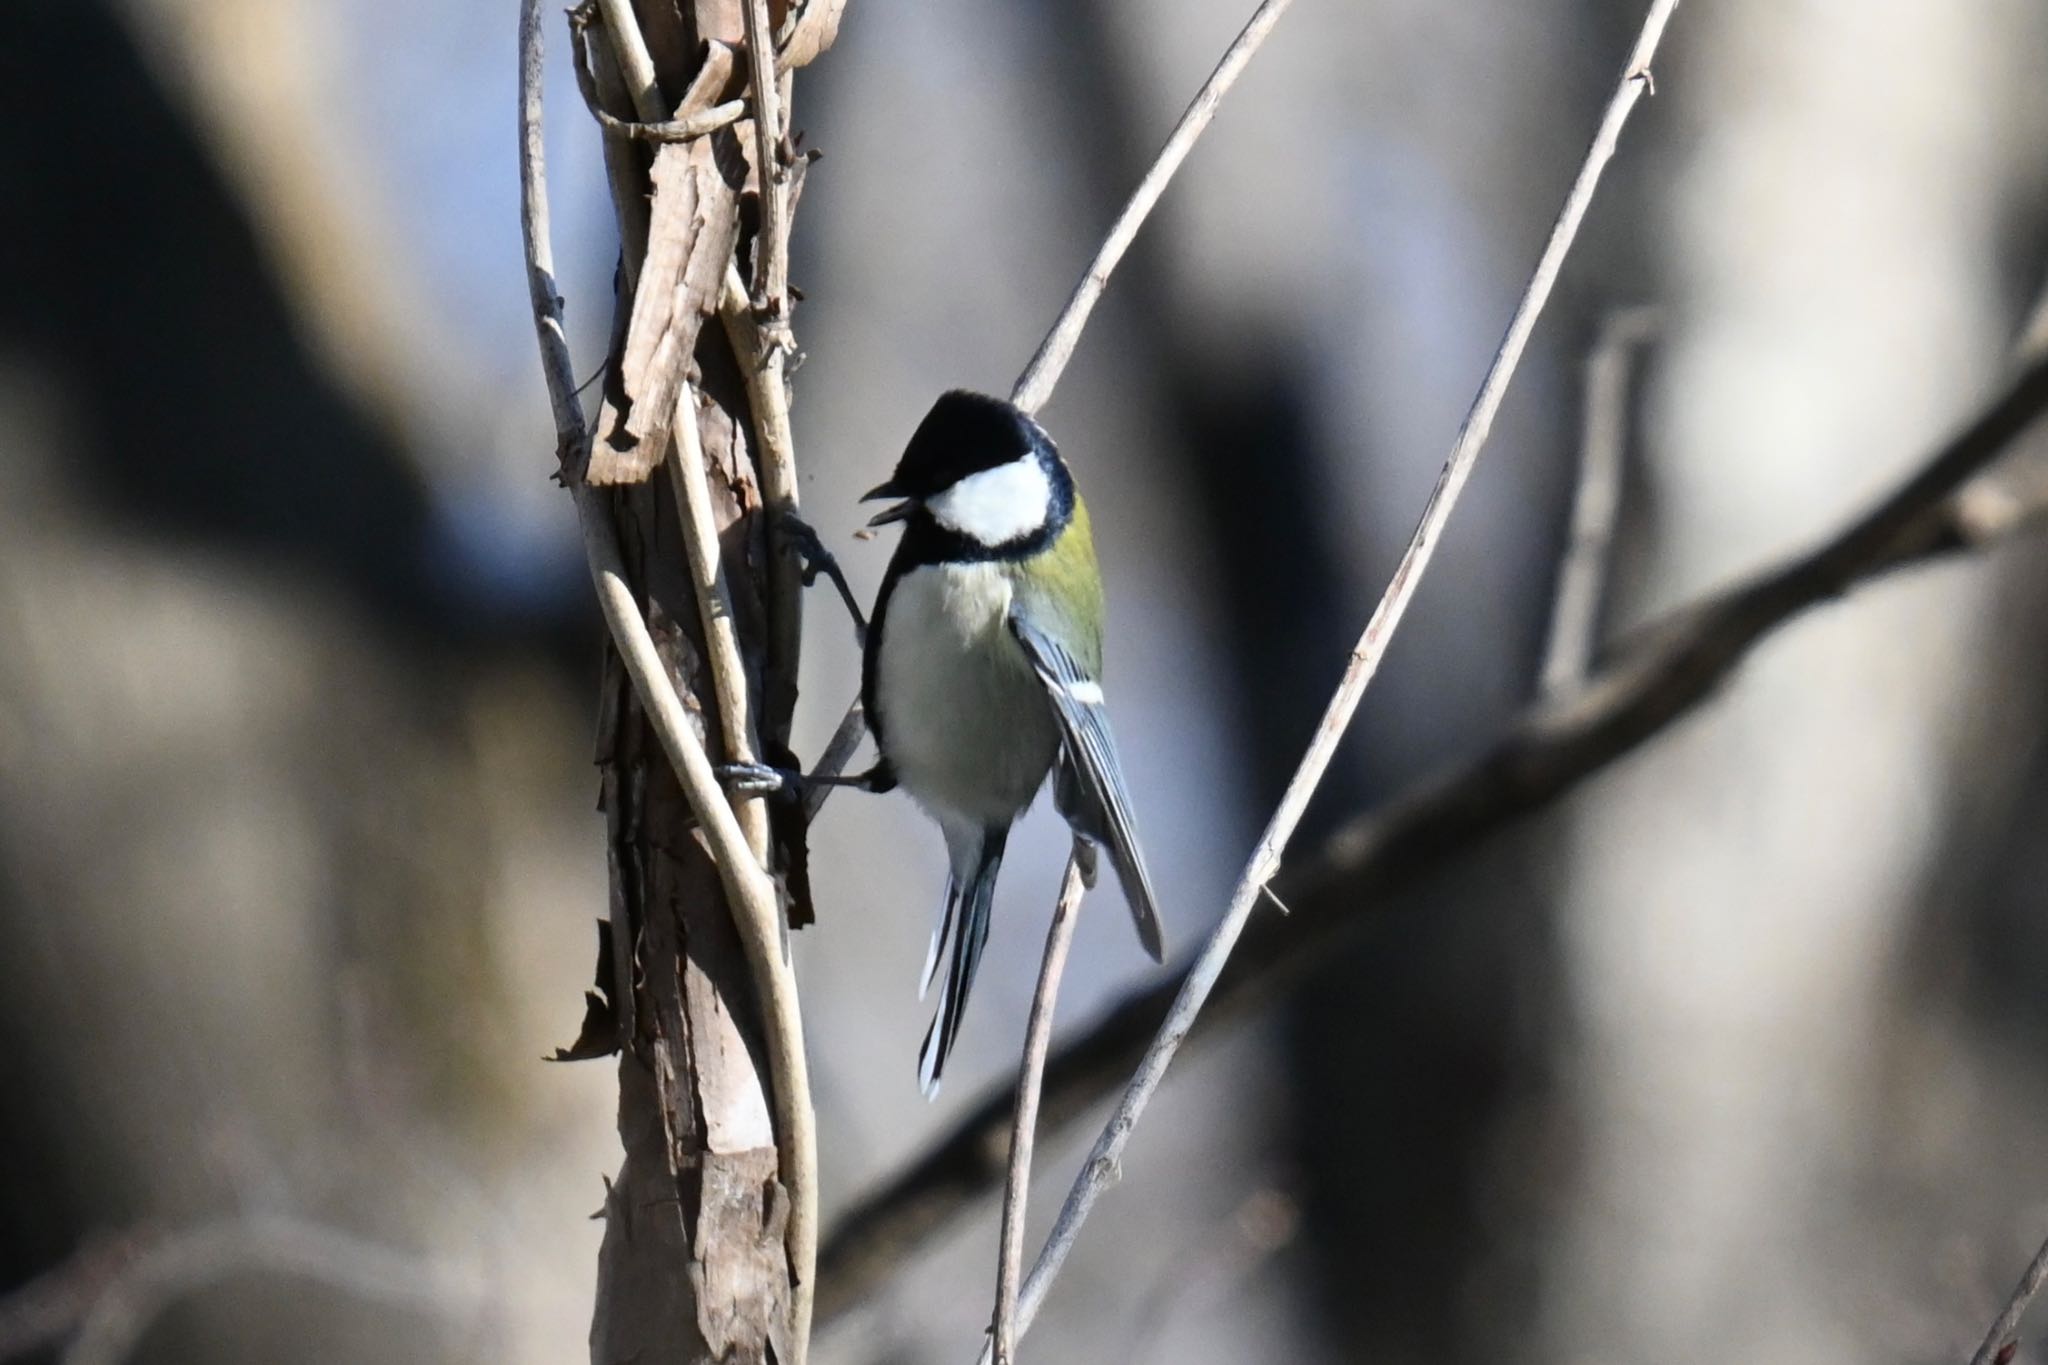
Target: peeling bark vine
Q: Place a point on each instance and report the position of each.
(710, 1226)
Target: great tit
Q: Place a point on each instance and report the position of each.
(983, 669)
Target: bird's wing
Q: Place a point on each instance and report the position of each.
(1094, 799)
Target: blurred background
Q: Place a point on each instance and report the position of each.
(1739, 1054)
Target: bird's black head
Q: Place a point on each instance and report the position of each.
(982, 474)
(964, 433)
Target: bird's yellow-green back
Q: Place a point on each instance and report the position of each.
(1062, 583)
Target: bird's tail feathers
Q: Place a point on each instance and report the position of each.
(1138, 894)
(957, 945)
(1086, 816)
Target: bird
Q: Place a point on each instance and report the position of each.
(982, 674)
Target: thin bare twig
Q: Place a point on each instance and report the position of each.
(1659, 674)
(763, 346)
(623, 163)
(629, 45)
(1024, 1123)
(757, 912)
(745, 882)
(683, 129)
(1035, 385)
(2008, 1323)
(771, 251)
(1596, 501)
(555, 364)
(838, 753)
(1101, 1166)
(714, 606)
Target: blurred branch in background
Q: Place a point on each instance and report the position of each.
(1596, 499)
(1205, 1273)
(49, 1308)
(1656, 676)
(110, 1294)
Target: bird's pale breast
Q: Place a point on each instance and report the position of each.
(969, 731)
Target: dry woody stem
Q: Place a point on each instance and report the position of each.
(1024, 1123)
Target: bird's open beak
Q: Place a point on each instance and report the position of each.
(888, 514)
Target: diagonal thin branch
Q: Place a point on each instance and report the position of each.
(1264, 863)
(756, 909)
(2008, 1324)
(748, 886)
(1035, 385)
(1658, 675)
(1024, 1124)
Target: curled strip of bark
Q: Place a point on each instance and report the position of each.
(691, 200)
(1652, 679)
(813, 29)
(688, 122)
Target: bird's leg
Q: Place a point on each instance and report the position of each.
(761, 779)
(816, 559)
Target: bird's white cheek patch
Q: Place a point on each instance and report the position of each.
(996, 505)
